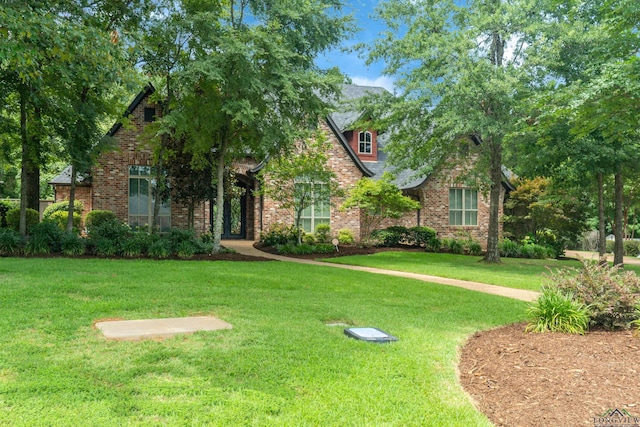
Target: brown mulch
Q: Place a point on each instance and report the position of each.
(552, 379)
(343, 250)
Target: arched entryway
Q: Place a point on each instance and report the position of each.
(237, 214)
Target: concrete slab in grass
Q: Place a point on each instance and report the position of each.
(159, 328)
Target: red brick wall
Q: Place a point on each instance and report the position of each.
(83, 194)
(347, 174)
(110, 176)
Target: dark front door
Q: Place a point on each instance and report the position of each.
(234, 216)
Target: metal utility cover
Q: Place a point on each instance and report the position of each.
(369, 334)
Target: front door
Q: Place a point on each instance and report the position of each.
(234, 215)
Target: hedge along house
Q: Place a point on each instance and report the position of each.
(122, 181)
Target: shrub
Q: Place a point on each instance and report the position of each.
(532, 250)
(60, 219)
(421, 236)
(509, 248)
(177, 237)
(303, 249)
(610, 294)
(554, 311)
(390, 237)
(323, 233)
(631, 248)
(131, 247)
(279, 234)
(113, 229)
(104, 246)
(62, 207)
(474, 248)
(13, 218)
(309, 238)
(72, 244)
(324, 248)
(610, 246)
(10, 242)
(44, 234)
(5, 206)
(434, 245)
(186, 249)
(161, 248)
(96, 217)
(345, 237)
(455, 246)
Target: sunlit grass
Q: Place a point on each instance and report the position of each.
(280, 365)
(511, 272)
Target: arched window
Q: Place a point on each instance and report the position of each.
(364, 142)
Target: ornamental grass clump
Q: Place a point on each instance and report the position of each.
(610, 293)
(554, 311)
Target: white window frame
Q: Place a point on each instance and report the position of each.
(310, 215)
(365, 142)
(140, 215)
(466, 209)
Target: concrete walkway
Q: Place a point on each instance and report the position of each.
(245, 247)
(594, 255)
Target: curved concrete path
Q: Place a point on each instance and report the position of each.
(245, 247)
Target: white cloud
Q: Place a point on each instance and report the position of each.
(384, 82)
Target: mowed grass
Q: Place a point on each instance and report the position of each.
(281, 365)
(511, 272)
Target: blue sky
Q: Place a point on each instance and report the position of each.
(350, 63)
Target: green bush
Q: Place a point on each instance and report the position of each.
(455, 246)
(131, 247)
(324, 248)
(421, 236)
(72, 244)
(610, 294)
(610, 246)
(534, 251)
(631, 248)
(186, 249)
(96, 217)
(161, 248)
(44, 238)
(60, 219)
(279, 234)
(509, 248)
(323, 233)
(474, 248)
(554, 311)
(5, 206)
(309, 238)
(62, 207)
(10, 242)
(13, 218)
(345, 237)
(104, 246)
(390, 237)
(113, 229)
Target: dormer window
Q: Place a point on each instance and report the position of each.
(364, 142)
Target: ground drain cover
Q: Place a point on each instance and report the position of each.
(370, 335)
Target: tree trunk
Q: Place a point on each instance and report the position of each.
(493, 253)
(32, 165)
(72, 198)
(217, 228)
(25, 160)
(602, 238)
(618, 252)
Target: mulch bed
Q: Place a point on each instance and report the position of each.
(552, 379)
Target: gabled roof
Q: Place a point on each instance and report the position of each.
(64, 178)
(148, 90)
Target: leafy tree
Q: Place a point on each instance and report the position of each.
(377, 201)
(455, 84)
(252, 85)
(298, 180)
(587, 70)
(551, 215)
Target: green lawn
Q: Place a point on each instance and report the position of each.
(511, 272)
(280, 365)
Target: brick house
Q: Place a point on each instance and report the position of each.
(121, 181)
